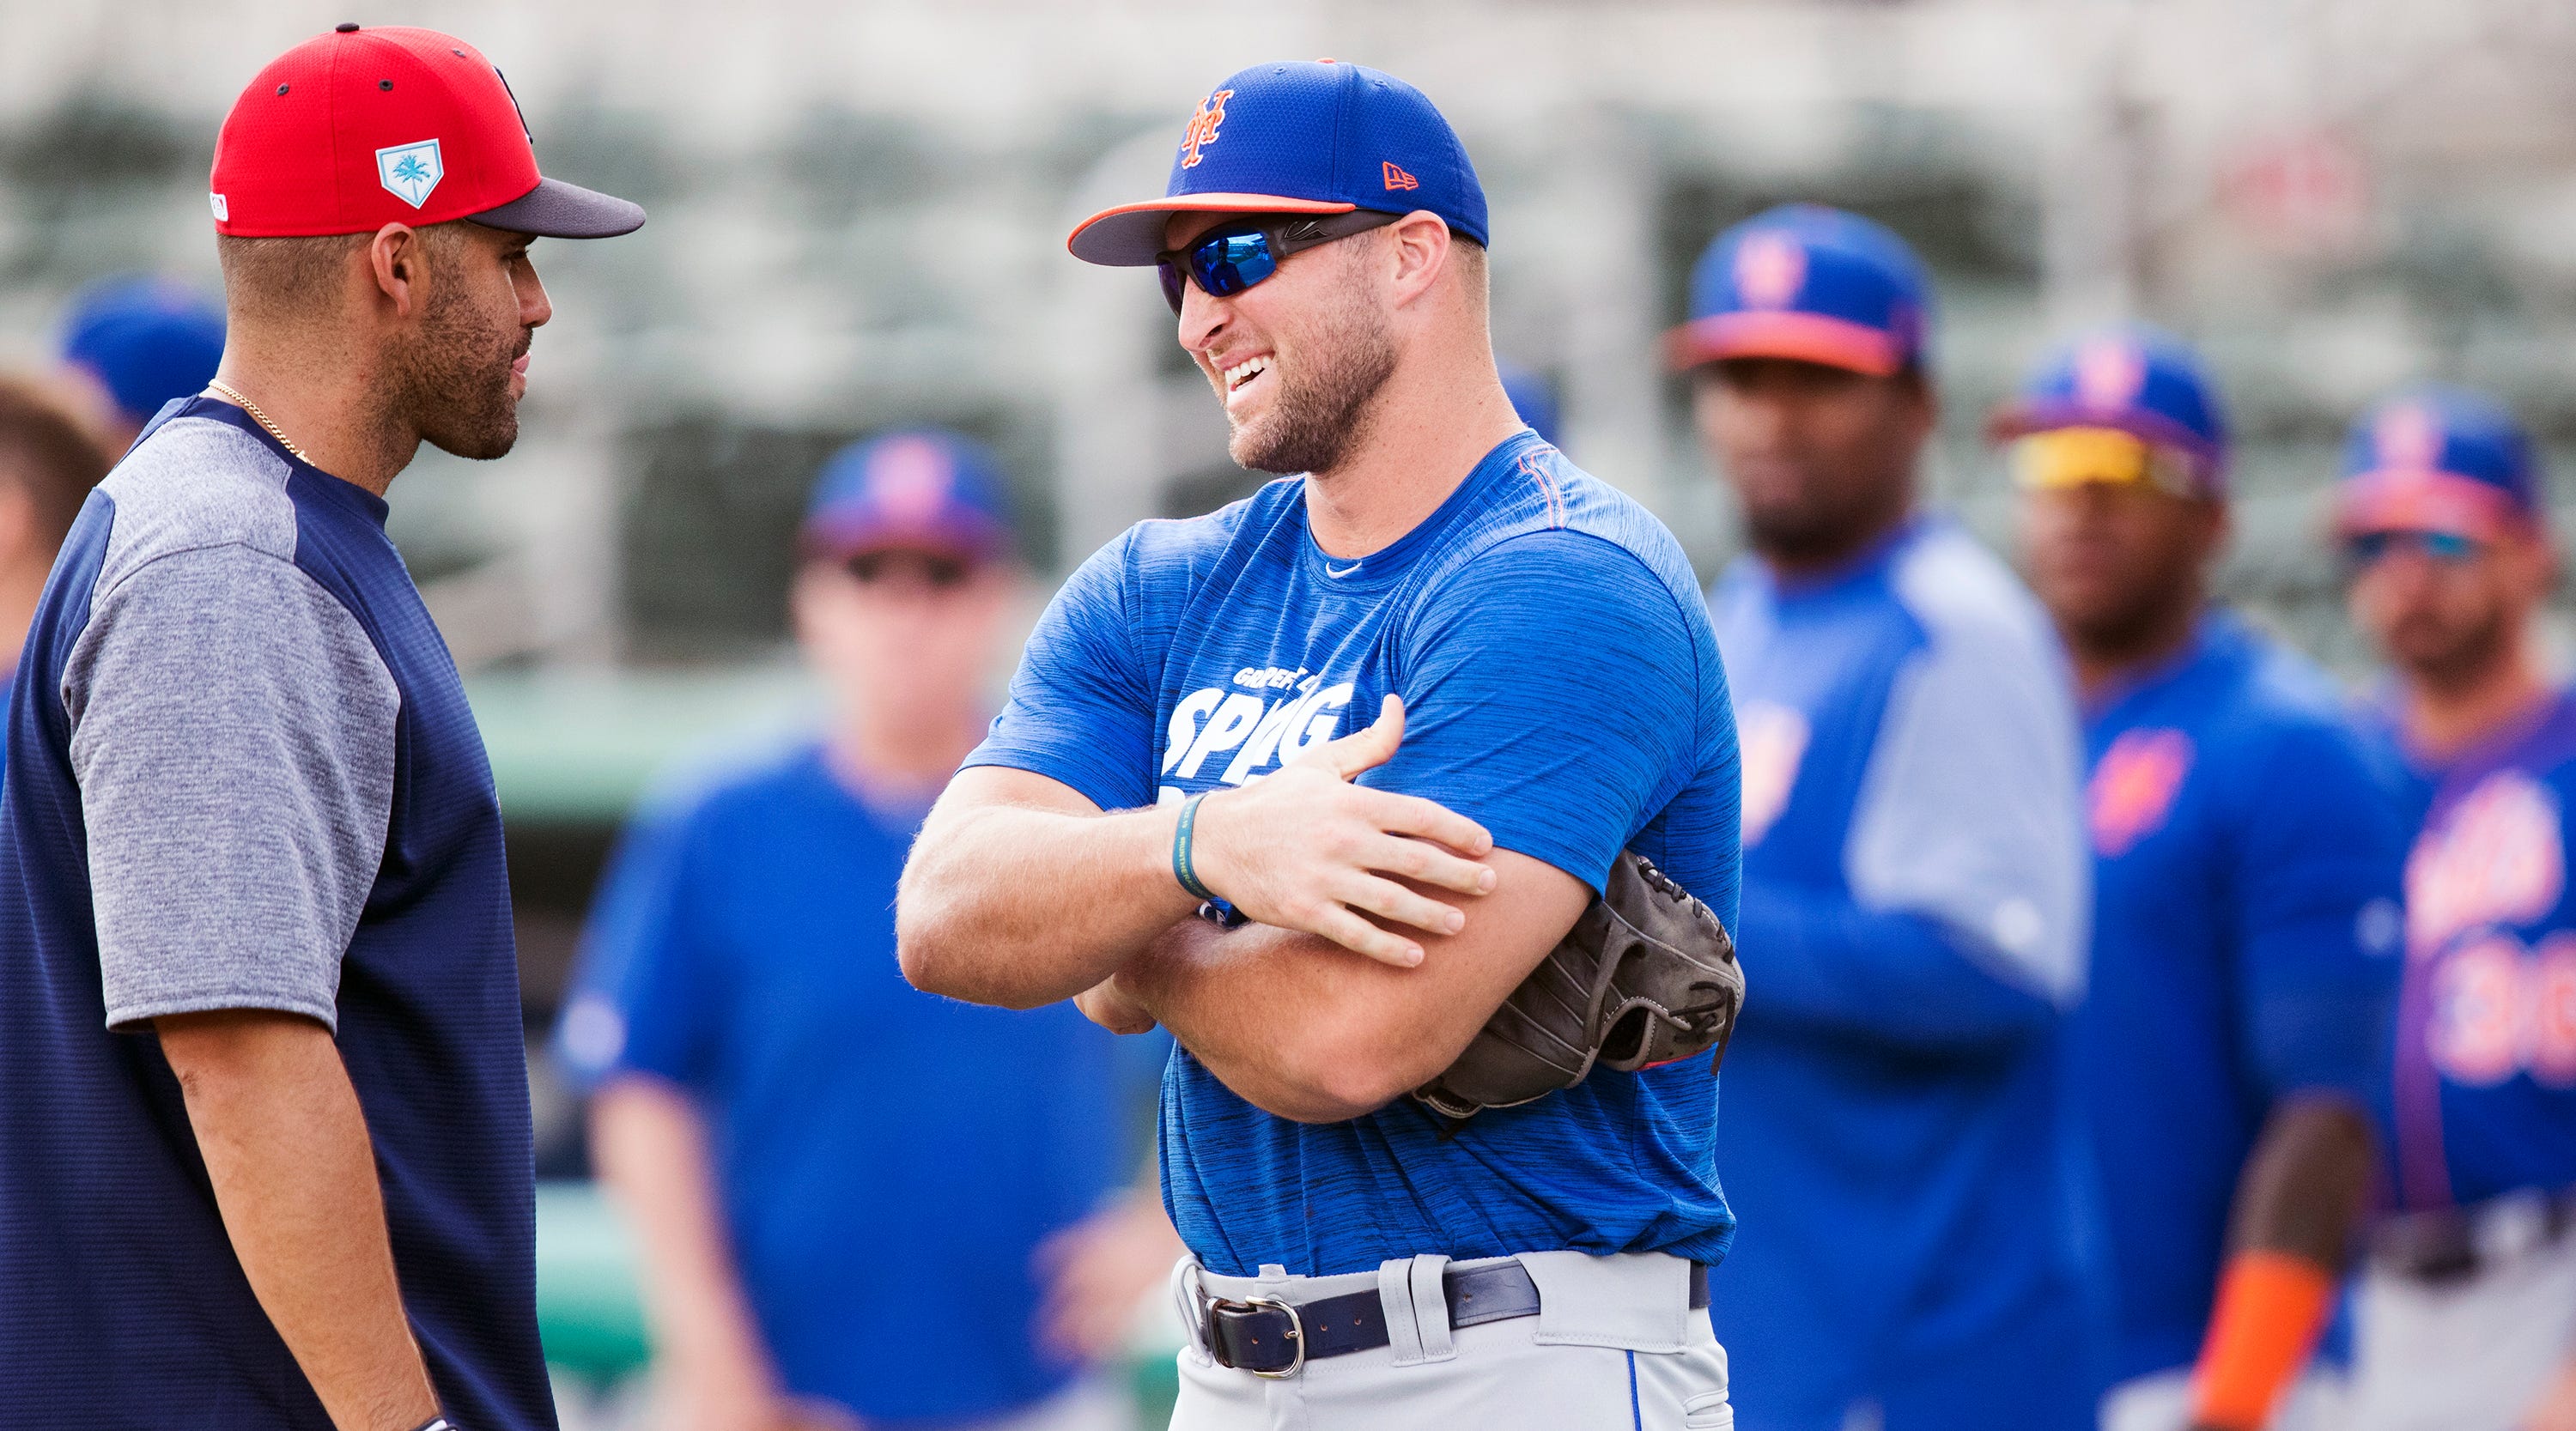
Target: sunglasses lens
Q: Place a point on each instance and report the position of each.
(2367, 548)
(2448, 546)
(1170, 274)
(1230, 263)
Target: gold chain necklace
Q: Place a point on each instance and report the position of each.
(233, 395)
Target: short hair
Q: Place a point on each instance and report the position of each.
(48, 453)
(282, 277)
(290, 278)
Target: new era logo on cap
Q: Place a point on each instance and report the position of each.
(1396, 178)
(410, 171)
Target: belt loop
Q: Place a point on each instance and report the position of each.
(1190, 1300)
(1431, 1306)
(1395, 1303)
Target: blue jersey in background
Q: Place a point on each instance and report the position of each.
(2246, 923)
(1912, 934)
(2484, 1095)
(1561, 688)
(888, 1161)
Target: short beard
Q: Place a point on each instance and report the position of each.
(2467, 660)
(1325, 405)
(451, 382)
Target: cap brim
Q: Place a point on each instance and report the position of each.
(1798, 337)
(2026, 417)
(555, 209)
(1130, 235)
(2410, 500)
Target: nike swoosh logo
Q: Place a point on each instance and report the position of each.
(1345, 571)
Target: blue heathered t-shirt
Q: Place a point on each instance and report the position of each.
(2245, 939)
(2484, 1084)
(1561, 687)
(242, 775)
(888, 1161)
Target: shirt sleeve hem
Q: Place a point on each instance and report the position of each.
(1083, 783)
(137, 1016)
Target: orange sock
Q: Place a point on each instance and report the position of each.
(2271, 1307)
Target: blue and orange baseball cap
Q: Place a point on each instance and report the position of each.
(2124, 378)
(920, 489)
(146, 340)
(1317, 137)
(1810, 283)
(2439, 459)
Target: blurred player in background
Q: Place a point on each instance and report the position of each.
(1443, 678)
(2467, 1315)
(854, 1198)
(265, 1157)
(49, 459)
(137, 343)
(2245, 918)
(1914, 891)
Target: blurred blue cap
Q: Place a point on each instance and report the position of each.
(1532, 399)
(1310, 137)
(920, 489)
(2131, 377)
(146, 340)
(1808, 283)
(2442, 459)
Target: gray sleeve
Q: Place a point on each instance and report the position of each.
(1970, 810)
(232, 732)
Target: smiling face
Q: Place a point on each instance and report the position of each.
(460, 370)
(1296, 359)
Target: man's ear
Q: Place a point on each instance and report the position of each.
(1422, 250)
(397, 262)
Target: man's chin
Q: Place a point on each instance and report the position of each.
(479, 445)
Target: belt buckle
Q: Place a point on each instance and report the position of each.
(1296, 1333)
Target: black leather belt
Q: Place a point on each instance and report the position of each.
(1270, 1337)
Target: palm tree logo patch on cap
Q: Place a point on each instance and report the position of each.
(410, 171)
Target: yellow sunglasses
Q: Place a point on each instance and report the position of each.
(2070, 457)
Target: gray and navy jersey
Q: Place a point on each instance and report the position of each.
(242, 775)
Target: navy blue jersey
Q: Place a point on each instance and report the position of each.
(2484, 1084)
(743, 949)
(242, 774)
(1914, 908)
(2245, 932)
(1561, 688)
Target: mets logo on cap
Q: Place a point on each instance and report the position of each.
(2109, 372)
(410, 171)
(1769, 270)
(2409, 438)
(1202, 130)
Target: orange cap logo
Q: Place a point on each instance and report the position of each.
(1202, 130)
(1396, 178)
(2408, 437)
(1769, 270)
(2108, 373)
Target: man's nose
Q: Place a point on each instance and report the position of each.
(1203, 317)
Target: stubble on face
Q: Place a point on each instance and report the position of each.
(451, 378)
(1328, 387)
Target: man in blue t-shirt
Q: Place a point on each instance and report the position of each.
(1391, 722)
(1914, 887)
(2246, 903)
(822, 1236)
(264, 1139)
(2466, 1319)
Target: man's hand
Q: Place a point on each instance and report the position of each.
(1306, 849)
(1097, 1273)
(1113, 1008)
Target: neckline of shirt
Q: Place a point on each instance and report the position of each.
(368, 503)
(1869, 562)
(2216, 631)
(1390, 562)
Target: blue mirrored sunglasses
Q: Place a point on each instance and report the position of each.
(1233, 257)
(2449, 548)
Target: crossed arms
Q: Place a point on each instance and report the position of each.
(1359, 980)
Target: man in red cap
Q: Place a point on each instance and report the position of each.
(264, 1142)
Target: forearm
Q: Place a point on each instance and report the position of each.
(1022, 906)
(1888, 977)
(1264, 1009)
(286, 1148)
(650, 1145)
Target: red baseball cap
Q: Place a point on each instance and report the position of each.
(360, 128)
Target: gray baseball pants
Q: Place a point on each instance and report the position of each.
(1615, 1346)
